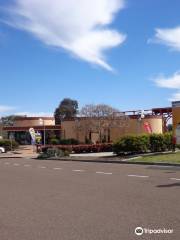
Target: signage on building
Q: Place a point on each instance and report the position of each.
(176, 104)
(38, 137)
(33, 134)
(147, 127)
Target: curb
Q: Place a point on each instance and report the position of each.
(111, 161)
(9, 157)
(101, 160)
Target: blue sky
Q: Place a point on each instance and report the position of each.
(136, 68)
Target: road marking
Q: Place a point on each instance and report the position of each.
(78, 170)
(108, 173)
(56, 168)
(7, 163)
(177, 179)
(41, 167)
(27, 165)
(16, 164)
(140, 176)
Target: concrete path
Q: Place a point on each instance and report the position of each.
(23, 151)
(99, 154)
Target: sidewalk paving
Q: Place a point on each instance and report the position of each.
(98, 154)
(26, 151)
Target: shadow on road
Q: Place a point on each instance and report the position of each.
(169, 185)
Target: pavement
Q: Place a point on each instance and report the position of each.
(98, 154)
(44, 200)
(23, 151)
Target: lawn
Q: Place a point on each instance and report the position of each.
(166, 158)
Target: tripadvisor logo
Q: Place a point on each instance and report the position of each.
(140, 231)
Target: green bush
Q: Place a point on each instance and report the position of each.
(143, 143)
(157, 143)
(53, 153)
(132, 144)
(54, 141)
(7, 144)
(168, 140)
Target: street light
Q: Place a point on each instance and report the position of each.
(41, 122)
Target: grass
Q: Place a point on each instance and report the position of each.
(160, 158)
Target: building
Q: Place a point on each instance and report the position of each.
(110, 129)
(84, 129)
(176, 114)
(19, 128)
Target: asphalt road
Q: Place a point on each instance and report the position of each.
(54, 200)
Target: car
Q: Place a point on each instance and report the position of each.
(2, 150)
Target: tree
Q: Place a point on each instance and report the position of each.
(99, 110)
(68, 108)
(101, 118)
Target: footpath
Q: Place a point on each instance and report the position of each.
(29, 152)
(26, 151)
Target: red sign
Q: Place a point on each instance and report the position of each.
(147, 127)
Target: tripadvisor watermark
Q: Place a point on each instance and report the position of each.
(140, 231)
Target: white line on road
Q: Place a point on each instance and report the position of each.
(177, 179)
(16, 164)
(7, 163)
(57, 168)
(108, 173)
(78, 170)
(41, 167)
(27, 165)
(140, 176)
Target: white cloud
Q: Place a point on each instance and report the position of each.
(171, 82)
(175, 97)
(78, 26)
(169, 37)
(4, 109)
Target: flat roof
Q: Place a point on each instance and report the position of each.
(33, 118)
(37, 128)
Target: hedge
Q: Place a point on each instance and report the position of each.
(143, 143)
(6, 143)
(81, 148)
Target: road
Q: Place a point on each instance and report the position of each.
(44, 200)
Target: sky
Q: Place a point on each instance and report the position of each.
(124, 53)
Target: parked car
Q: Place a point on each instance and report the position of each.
(2, 150)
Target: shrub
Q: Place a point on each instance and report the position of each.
(143, 143)
(7, 144)
(157, 143)
(168, 141)
(88, 148)
(53, 153)
(54, 141)
(132, 144)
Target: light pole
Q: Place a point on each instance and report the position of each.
(41, 122)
